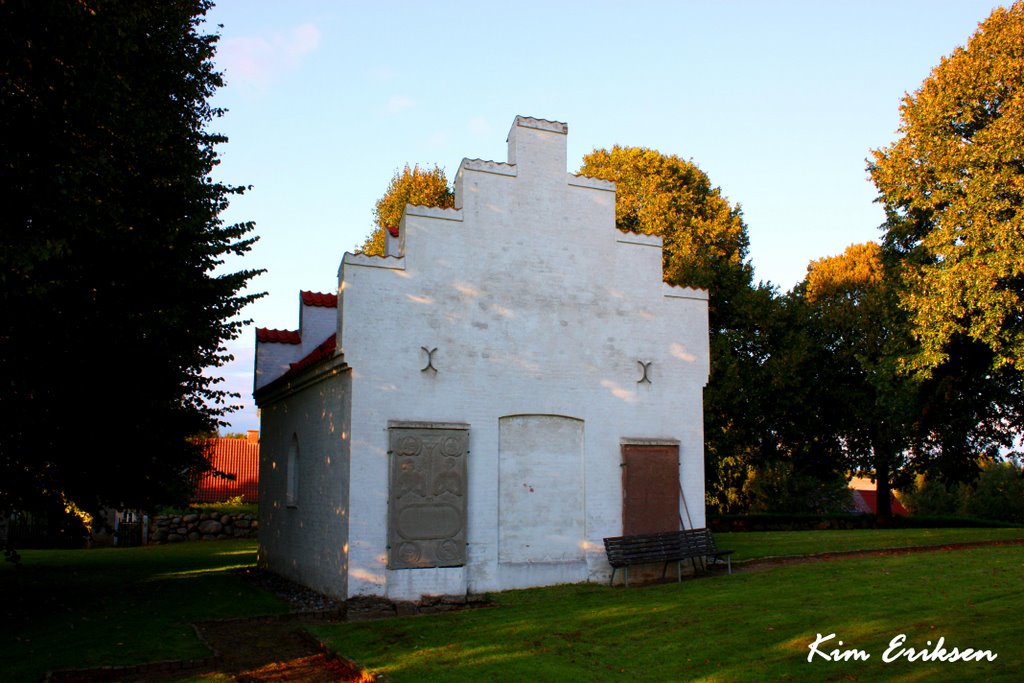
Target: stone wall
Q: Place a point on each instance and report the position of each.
(206, 526)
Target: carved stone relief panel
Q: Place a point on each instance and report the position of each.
(427, 494)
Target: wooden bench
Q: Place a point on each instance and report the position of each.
(664, 547)
(702, 543)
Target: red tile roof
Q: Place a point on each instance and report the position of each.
(268, 336)
(868, 502)
(318, 299)
(325, 350)
(237, 457)
(393, 229)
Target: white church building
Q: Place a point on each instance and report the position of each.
(478, 409)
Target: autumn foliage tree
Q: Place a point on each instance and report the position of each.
(891, 423)
(752, 341)
(862, 334)
(421, 186)
(953, 189)
(705, 239)
(112, 296)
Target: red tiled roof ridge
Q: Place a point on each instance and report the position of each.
(324, 350)
(319, 299)
(265, 335)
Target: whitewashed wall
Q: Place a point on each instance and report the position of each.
(536, 306)
(306, 538)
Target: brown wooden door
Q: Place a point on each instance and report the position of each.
(650, 488)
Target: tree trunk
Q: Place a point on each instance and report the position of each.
(883, 491)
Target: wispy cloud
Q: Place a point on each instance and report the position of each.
(398, 103)
(258, 61)
(438, 138)
(383, 73)
(479, 127)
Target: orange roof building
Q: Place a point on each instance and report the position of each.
(238, 458)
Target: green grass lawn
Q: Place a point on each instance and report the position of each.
(760, 544)
(83, 608)
(751, 626)
(117, 606)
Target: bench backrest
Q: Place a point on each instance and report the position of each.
(700, 541)
(659, 547)
(635, 549)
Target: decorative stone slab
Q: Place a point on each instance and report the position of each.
(427, 495)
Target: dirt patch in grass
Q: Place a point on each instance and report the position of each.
(278, 649)
(312, 669)
(274, 650)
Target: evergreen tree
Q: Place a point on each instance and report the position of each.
(113, 303)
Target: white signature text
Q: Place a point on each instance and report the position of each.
(896, 651)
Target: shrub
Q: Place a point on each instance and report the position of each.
(930, 497)
(781, 488)
(997, 494)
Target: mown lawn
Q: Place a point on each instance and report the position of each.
(751, 626)
(85, 608)
(118, 606)
(760, 544)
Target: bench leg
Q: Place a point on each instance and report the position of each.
(611, 581)
(626, 570)
(679, 571)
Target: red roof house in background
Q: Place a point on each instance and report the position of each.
(233, 456)
(865, 498)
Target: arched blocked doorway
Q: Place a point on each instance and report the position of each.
(541, 511)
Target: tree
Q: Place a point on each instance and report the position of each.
(953, 190)
(891, 423)
(753, 407)
(952, 186)
(862, 333)
(705, 238)
(424, 187)
(111, 242)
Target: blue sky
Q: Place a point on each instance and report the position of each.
(780, 103)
